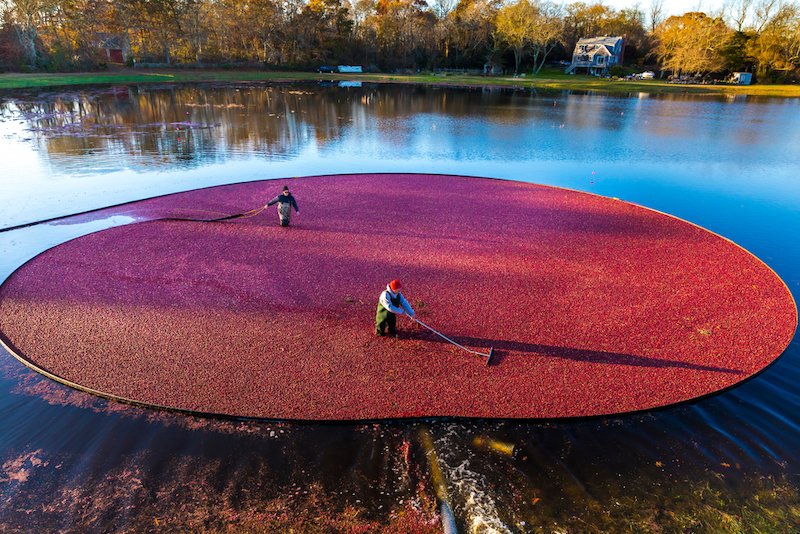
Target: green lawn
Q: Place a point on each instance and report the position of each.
(548, 79)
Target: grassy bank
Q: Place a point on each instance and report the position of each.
(548, 79)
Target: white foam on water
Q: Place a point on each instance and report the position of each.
(470, 491)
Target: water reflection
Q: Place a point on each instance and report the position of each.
(139, 141)
(72, 461)
(202, 125)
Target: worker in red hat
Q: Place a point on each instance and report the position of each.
(391, 304)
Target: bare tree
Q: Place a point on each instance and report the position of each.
(442, 8)
(739, 11)
(764, 9)
(656, 14)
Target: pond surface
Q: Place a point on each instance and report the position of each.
(76, 462)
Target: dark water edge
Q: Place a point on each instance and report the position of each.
(74, 462)
(85, 464)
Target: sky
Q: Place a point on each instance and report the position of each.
(671, 7)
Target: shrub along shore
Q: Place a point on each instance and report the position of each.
(548, 79)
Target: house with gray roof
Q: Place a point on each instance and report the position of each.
(595, 55)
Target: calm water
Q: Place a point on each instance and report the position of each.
(75, 462)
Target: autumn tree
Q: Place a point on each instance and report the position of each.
(10, 49)
(629, 23)
(529, 27)
(73, 25)
(195, 24)
(775, 45)
(363, 31)
(692, 43)
(85, 20)
(31, 20)
(467, 33)
(124, 19)
(585, 20)
(57, 34)
(263, 17)
(313, 26)
(400, 28)
(158, 23)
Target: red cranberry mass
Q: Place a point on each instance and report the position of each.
(593, 305)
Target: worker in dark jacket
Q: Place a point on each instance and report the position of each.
(285, 204)
(391, 304)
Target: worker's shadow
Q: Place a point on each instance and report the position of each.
(502, 348)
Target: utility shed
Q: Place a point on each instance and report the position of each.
(741, 78)
(114, 46)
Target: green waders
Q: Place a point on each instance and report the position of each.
(284, 212)
(386, 320)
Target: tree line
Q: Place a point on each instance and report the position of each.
(758, 36)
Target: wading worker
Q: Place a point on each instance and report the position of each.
(285, 204)
(391, 304)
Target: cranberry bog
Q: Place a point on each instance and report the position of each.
(593, 306)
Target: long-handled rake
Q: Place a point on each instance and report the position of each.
(488, 356)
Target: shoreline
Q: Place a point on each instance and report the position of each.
(572, 83)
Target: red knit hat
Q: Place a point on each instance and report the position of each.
(394, 285)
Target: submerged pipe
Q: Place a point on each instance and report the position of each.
(493, 444)
(438, 482)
